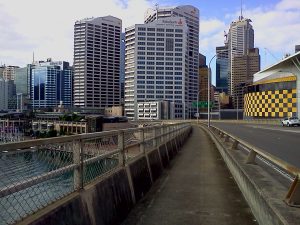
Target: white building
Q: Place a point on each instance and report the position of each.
(156, 64)
(97, 62)
(191, 15)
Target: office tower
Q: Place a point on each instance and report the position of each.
(3, 95)
(7, 94)
(51, 84)
(240, 39)
(297, 48)
(22, 76)
(222, 70)
(202, 60)
(191, 14)
(1, 71)
(122, 69)
(9, 72)
(244, 67)
(97, 62)
(155, 64)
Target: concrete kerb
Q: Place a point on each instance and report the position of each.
(263, 193)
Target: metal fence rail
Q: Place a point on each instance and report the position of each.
(293, 195)
(35, 173)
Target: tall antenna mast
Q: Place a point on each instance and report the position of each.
(32, 57)
(241, 10)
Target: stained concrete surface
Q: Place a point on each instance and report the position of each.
(196, 188)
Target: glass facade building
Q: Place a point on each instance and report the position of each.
(51, 83)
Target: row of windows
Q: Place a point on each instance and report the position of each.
(160, 29)
(162, 73)
(159, 58)
(158, 87)
(159, 96)
(160, 53)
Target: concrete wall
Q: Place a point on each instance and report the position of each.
(109, 200)
(263, 193)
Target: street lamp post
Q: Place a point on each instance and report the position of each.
(208, 87)
(208, 92)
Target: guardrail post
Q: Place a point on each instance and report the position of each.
(78, 160)
(234, 145)
(226, 138)
(142, 141)
(251, 157)
(121, 148)
(293, 196)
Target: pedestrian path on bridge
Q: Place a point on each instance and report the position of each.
(196, 189)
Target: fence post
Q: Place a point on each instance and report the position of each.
(154, 143)
(78, 160)
(121, 148)
(142, 141)
(162, 135)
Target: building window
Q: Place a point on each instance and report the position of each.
(169, 44)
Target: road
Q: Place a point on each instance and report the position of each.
(283, 142)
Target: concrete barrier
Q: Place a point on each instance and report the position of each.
(263, 192)
(109, 199)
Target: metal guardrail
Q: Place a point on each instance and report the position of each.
(292, 198)
(35, 173)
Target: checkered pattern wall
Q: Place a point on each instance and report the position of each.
(276, 104)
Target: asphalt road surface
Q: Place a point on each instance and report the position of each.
(283, 142)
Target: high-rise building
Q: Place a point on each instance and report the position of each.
(51, 84)
(240, 39)
(97, 62)
(222, 70)
(202, 60)
(297, 48)
(191, 14)
(156, 65)
(9, 72)
(3, 95)
(122, 69)
(7, 93)
(244, 67)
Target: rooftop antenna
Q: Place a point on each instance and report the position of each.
(33, 57)
(156, 7)
(241, 17)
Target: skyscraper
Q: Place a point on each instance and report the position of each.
(51, 84)
(156, 64)
(222, 70)
(9, 72)
(191, 15)
(97, 62)
(244, 67)
(240, 39)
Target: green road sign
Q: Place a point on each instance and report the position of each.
(202, 104)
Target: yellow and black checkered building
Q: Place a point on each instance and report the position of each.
(271, 99)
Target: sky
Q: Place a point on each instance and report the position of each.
(46, 27)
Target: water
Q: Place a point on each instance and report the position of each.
(23, 166)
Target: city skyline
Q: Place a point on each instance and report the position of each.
(25, 34)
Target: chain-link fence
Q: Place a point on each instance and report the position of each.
(33, 174)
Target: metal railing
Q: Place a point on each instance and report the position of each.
(35, 173)
(292, 198)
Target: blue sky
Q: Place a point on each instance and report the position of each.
(47, 27)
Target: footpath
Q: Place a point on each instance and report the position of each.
(196, 189)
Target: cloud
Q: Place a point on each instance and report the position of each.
(46, 27)
(276, 28)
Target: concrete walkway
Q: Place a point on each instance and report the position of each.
(197, 189)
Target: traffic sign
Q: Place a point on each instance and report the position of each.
(202, 104)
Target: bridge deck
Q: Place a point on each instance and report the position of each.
(196, 189)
